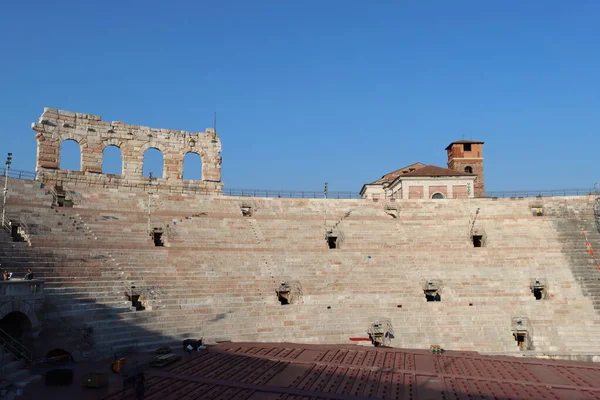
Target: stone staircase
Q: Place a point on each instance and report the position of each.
(15, 366)
(569, 224)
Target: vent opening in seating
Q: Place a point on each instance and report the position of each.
(135, 302)
(283, 300)
(477, 240)
(157, 238)
(332, 242)
(432, 296)
(521, 339)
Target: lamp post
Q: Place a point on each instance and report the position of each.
(6, 168)
(326, 190)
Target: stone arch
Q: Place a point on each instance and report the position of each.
(469, 169)
(22, 307)
(64, 164)
(59, 354)
(192, 176)
(437, 196)
(111, 143)
(165, 156)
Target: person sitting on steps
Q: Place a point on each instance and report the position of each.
(28, 275)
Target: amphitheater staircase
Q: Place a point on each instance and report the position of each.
(81, 284)
(269, 268)
(15, 366)
(581, 263)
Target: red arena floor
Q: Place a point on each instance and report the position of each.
(296, 371)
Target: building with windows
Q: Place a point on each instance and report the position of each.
(462, 179)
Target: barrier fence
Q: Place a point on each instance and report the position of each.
(313, 194)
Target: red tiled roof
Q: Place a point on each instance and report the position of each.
(432, 170)
(294, 371)
(391, 176)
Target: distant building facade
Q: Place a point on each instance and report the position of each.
(462, 179)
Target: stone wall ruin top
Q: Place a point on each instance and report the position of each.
(93, 135)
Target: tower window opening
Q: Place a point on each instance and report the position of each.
(469, 169)
(467, 147)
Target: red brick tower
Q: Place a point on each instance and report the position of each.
(467, 156)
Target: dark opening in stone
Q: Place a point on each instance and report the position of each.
(538, 293)
(157, 237)
(15, 234)
(477, 241)
(283, 300)
(135, 302)
(332, 242)
(521, 339)
(432, 296)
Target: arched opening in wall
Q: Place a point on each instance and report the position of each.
(437, 196)
(153, 162)
(112, 161)
(70, 155)
(468, 169)
(192, 167)
(58, 356)
(16, 326)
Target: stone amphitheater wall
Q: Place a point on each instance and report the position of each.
(219, 271)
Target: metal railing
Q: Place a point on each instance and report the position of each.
(16, 348)
(19, 174)
(289, 193)
(541, 193)
(292, 194)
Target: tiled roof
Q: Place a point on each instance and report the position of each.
(391, 176)
(254, 371)
(432, 170)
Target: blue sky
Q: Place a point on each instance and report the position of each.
(308, 92)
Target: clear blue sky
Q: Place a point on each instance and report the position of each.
(314, 91)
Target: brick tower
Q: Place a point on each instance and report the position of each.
(467, 156)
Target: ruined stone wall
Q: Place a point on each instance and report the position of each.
(93, 135)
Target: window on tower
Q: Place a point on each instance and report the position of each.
(467, 147)
(469, 169)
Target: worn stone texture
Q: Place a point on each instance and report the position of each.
(219, 270)
(93, 135)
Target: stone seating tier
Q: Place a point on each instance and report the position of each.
(218, 272)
